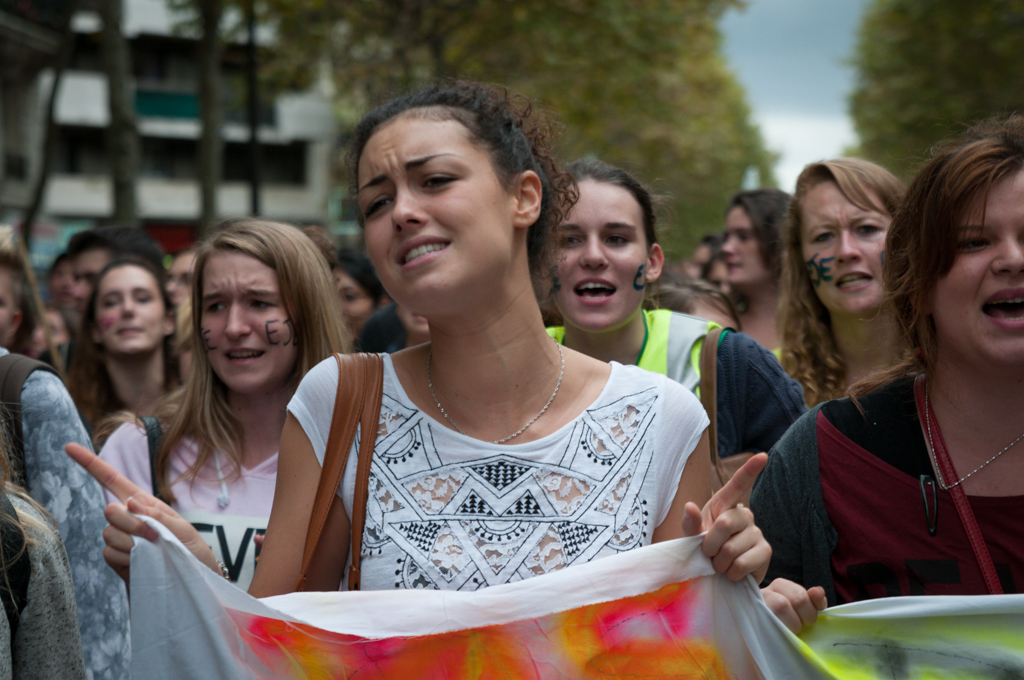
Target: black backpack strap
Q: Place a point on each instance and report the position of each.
(16, 562)
(14, 370)
(154, 433)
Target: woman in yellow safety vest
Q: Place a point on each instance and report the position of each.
(609, 258)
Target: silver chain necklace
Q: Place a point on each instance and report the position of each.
(561, 371)
(931, 449)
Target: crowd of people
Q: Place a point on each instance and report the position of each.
(869, 337)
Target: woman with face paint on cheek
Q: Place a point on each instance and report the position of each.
(833, 332)
(127, 360)
(608, 259)
(266, 311)
(608, 262)
(914, 484)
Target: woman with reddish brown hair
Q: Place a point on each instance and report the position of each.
(879, 496)
(833, 330)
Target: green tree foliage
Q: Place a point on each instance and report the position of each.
(642, 84)
(926, 68)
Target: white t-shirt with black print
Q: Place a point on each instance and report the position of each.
(446, 511)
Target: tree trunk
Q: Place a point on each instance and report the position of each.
(122, 133)
(255, 157)
(211, 145)
(50, 128)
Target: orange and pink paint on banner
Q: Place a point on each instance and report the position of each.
(653, 635)
(654, 612)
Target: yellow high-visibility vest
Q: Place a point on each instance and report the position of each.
(671, 346)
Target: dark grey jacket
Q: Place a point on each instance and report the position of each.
(789, 509)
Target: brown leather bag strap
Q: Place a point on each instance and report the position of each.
(368, 426)
(709, 389)
(360, 384)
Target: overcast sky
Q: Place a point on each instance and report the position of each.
(791, 56)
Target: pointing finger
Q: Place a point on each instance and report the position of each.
(738, 488)
(104, 473)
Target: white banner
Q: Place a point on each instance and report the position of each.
(656, 612)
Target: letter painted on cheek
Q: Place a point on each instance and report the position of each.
(292, 340)
(206, 340)
(271, 332)
(639, 282)
(819, 270)
(556, 283)
(107, 321)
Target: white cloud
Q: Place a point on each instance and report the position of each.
(792, 57)
(803, 139)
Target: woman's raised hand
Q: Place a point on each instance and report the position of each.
(737, 547)
(123, 522)
(734, 544)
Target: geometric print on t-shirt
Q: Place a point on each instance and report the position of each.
(435, 521)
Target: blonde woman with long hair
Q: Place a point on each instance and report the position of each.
(833, 333)
(266, 313)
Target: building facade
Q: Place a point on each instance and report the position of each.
(296, 131)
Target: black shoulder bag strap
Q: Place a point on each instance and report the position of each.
(14, 370)
(154, 433)
(17, 565)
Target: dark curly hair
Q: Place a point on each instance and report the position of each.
(516, 136)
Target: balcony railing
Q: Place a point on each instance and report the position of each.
(166, 104)
(163, 104)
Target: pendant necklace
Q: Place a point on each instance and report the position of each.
(931, 449)
(437, 402)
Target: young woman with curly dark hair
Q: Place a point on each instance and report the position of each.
(458, 192)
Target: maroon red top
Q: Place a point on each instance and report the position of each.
(885, 548)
